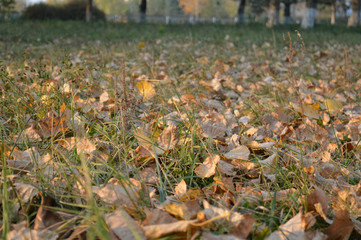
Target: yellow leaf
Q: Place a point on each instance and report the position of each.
(141, 44)
(310, 110)
(333, 106)
(146, 89)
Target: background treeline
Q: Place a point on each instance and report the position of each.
(71, 10)
(271, 12)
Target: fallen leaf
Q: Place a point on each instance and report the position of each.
(84, 145)
(211, 129)
(342, 226)
(26, 234)
(46, 217)
(244, 227)
(169, 138)
(114, 193)
(208, 167)
(181, 189)
(239, 153)
(157, 231)
(211, 236)
(333, 106)
(123, 226)
(26, 192)
(318, 196)
(146, 90)
(294, 229)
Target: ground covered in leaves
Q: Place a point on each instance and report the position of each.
(159, 135)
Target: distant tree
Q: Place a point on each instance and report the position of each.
(354, 18)
(216, 8)
(333, 12)
(240, 14)
(112, 7)
(287, 11)
(5, 7)
(143, 10)
(273, 13)
(88, 10)
(20, 5)
(309, 16)
(192, 7)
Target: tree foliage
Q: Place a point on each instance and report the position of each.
(72, 10)
(6, 5)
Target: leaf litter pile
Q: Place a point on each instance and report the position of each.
(180, 139)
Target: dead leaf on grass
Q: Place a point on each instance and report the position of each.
(208, 167)
(26, 234)
(318, 196)
(26, 192)
(239, 153)
(123, 226)
(342, 226)
(47, 218)
(169, 138)
(181, 188)
(294, 229)
(114, 193)
(146, 90)
(157, 231)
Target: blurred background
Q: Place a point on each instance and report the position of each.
(269, 12)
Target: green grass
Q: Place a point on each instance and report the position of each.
(39, 60)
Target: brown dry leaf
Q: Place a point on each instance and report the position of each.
(26, 234)
(146, 143)
(294, 229)
(211, 236)
(208, 167)
(244, 227)
(149, 175)
(26, 192)
(212, 129)
(51, 126)
(280, 195)
(123, 226)
(311, 111)
(47, 218)
(239, 153)
(157, 231)
(341, 228)
(157, 216)
(318, 196)
(24, 160)
(169, 137)
(225, 217)
(186, 211)
(192, 194)
(146, 90)
(226, 168)
(32, 134)
(268, 164)
(84, 145)
(114, 193)
(181, 189)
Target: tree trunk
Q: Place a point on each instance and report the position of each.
(309, 16)
(143, 11)
(359, 13)
(88, 11)
(273, 13)
(333, 12)
(241, 16)
(354, 19)
(287, 12)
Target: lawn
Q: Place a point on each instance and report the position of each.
(126, 131)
